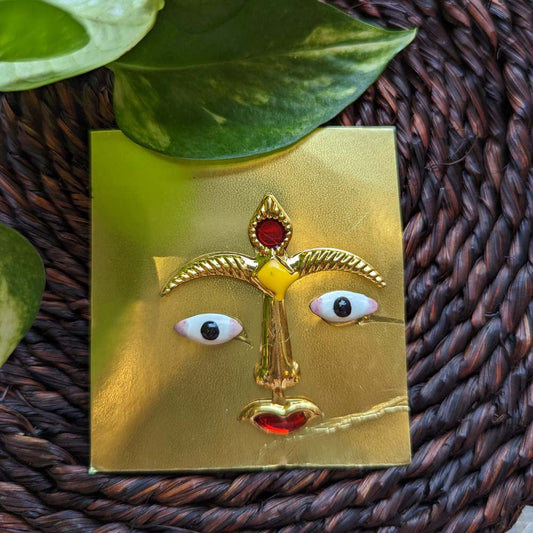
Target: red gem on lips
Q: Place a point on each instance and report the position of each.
(281, 426)
(270, 232)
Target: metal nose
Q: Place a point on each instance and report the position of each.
(277, 370)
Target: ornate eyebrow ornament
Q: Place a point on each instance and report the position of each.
(272, 271)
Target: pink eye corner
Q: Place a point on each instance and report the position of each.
(343, 307)
(182, 327)
(209, 328)
(316, 306)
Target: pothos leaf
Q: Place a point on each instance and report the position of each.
(245, 77)
(22, 282)
(42, 42)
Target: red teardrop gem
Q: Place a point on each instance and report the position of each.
(277, 424)
(270, 232)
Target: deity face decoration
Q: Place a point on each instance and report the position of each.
(273, 272)
(213, 347)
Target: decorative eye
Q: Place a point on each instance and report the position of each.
(343, 306)
(209, 328)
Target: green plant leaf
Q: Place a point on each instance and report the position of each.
(22, 282)
(42, 42)
(259, 76)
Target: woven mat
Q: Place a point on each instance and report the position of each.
(461, 98)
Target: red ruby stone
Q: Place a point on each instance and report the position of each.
(277, 424)
(270, 232)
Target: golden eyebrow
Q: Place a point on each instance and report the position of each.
(226, 264)
(330, 259)
(239, 266)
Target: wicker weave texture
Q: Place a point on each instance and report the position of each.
(461, 97)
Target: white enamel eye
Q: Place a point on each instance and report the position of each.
(209, 328)
(343, 306)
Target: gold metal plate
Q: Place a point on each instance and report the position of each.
(162, 402)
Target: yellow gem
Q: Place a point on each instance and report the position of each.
(276, 278)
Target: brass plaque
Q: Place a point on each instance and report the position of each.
(221, 341)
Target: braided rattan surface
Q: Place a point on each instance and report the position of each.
(461, 98)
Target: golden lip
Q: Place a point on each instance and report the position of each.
(284, 418)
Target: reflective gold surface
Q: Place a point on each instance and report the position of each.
(162, 402)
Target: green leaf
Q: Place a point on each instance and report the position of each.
(215, 81)
(22, 282)
(65, 36)
(42, 42)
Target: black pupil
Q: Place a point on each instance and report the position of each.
(342, 307)
(209, 330)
